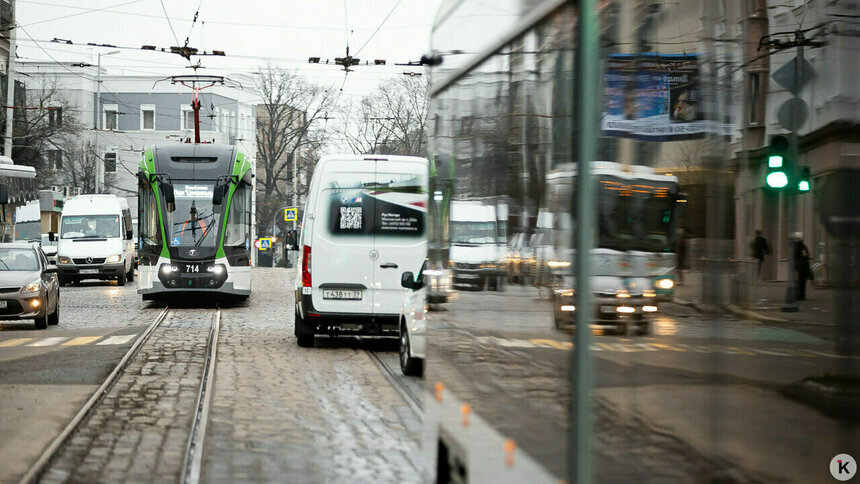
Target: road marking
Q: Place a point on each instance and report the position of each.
(118, 340)
(81, 340)
(666, 347)
(15, 342)
(49, 341)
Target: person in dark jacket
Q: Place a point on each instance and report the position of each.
(760, 249)
(801, 266)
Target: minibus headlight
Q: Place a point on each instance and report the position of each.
(665, 283)
(64, 260)
(113, 258)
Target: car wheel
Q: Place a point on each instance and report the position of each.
(54, 318)
(42, 323)
(408, 365)
(121, 280)
(304, 338)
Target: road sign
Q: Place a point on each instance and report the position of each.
(786, 76)
(265, 243)
(792, 114)
(291, 214)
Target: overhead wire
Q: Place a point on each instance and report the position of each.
(88, 10)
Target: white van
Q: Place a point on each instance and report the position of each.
(477, 257)
(95, 240)
(364, 225)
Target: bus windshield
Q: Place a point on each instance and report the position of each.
(194, 222)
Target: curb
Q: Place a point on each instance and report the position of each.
(755, 316)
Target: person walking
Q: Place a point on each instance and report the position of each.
(801, 266)
(760, 249)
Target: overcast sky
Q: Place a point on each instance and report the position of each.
(251, 32)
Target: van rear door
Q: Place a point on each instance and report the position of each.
(342, 238)
(400, 228)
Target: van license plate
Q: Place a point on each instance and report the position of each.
(88, 271)
(340, 294)
(3, 304)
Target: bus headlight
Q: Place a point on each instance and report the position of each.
(113, 258)
(665, 283)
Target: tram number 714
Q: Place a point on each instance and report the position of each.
(192, 267)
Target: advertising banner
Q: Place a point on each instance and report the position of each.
(654, 97)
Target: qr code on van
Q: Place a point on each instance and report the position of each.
(350, 218)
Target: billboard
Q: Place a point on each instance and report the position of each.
(654, 97)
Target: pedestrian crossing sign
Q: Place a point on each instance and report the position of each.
(291, 214)
(265, 243)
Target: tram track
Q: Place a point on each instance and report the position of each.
(396, 379)
(191, 464)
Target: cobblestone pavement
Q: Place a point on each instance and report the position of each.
(287, 414)
(140, 429)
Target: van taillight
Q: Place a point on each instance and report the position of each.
(306, 266)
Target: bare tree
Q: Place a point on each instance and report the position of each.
(391, 120)
(46, 134)
(289, 129)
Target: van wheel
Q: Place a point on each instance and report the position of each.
(408, 365)
(304, 338)
(130, 276)
(120, 280)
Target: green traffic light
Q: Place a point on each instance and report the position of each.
(774, 161)
(776, 179)
(803, 186)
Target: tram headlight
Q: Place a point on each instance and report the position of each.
(113, 258)
(167, 268)
(217, 269)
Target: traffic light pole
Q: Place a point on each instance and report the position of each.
(790, 304)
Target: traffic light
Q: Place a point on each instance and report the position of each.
(804, 184)
(777, 162)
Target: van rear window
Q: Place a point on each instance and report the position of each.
(392, 205)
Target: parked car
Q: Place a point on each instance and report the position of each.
(28, 285)
(364, 223)
(413, 324)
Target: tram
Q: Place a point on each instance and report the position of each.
(194, 213)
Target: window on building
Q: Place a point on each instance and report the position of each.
(111, 116)
(54, 159)
(110, 162)
(754, 98)
(217, 119)
(147, 116)
(186, 121)
(55, 116)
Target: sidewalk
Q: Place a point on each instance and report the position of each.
(765, 298)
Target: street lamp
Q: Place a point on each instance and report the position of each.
(100, 166)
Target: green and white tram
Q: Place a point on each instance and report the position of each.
(194, 220)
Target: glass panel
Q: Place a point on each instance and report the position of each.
(90, 226)
(194, 222)
(148, 119)
(18, 260)
(238, 229)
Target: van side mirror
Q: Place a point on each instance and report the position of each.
(219, 193)
(52, 237)
(169, 198)
(4, 193)
(407, 280)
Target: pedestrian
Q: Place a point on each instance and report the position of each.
(801, 266)
(680, 256)
(760, 249)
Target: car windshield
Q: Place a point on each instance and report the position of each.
(90, 226)
(18, 260)
(473, 232)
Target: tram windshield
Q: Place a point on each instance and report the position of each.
(194, 222)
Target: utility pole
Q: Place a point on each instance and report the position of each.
(100, 165)
(10, 86)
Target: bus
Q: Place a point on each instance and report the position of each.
(194, 213)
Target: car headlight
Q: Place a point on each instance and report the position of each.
(64, 260)
(34, 286)
(665, 283)
(114, 258)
